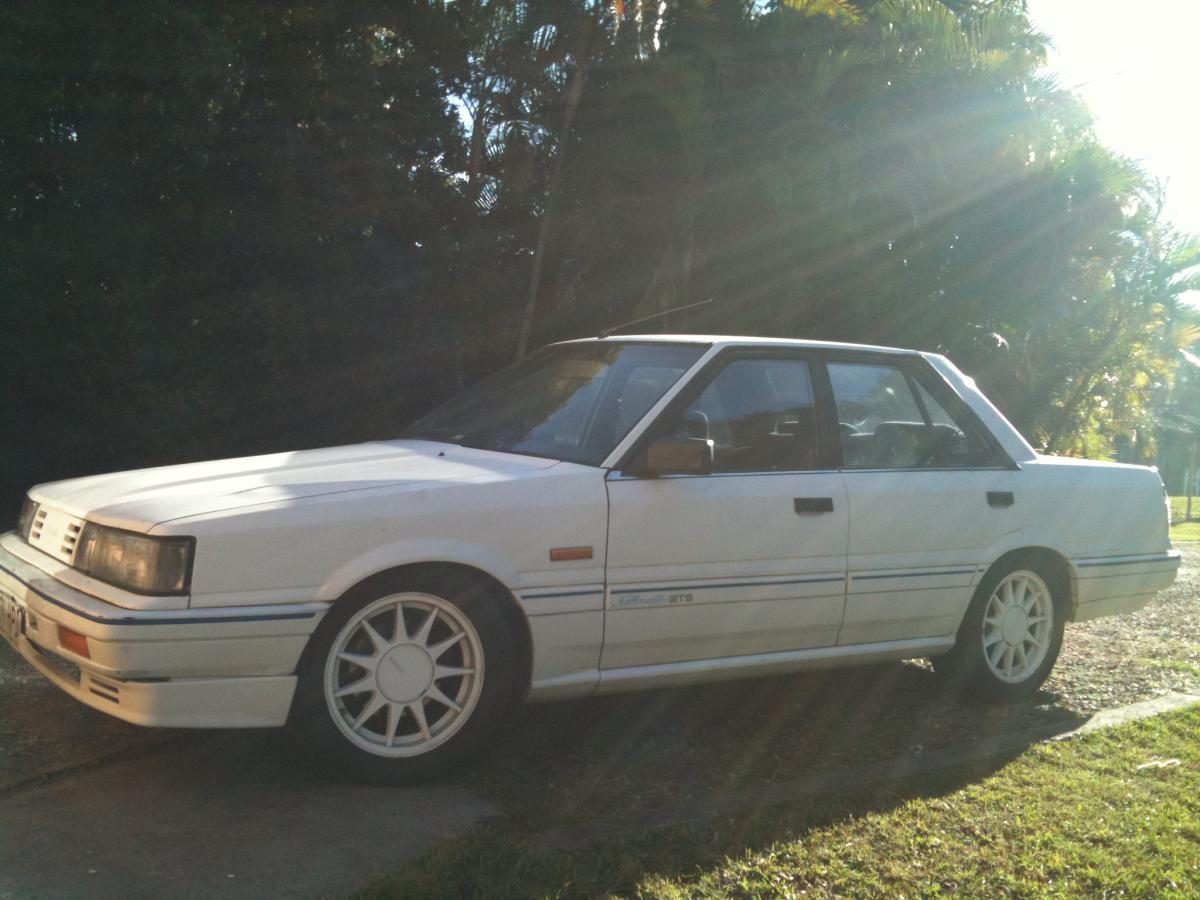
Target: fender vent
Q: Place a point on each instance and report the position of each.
(70, 541)
(56, 533)
(39, 520)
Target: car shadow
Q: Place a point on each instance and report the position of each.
(751, 761)
(671, 782)
(649, 751)
(720, 737)
(708, 739)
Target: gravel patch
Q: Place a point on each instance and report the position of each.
(1119, 659)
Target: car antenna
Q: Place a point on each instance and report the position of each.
(658, 315)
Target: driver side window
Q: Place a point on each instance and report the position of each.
(760, 415)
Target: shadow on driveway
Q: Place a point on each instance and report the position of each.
(239, 814)
(600, 795)
(637, 753)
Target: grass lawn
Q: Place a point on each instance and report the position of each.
(1186, 531)
(1075, 818)
(1179, 508)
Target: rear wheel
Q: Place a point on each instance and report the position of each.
(1011, 635)
(404, 680)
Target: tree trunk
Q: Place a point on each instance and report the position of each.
(574, 95)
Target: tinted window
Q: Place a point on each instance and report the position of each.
(883, 424)
(573, 402)
(937, 413)
(760, 415)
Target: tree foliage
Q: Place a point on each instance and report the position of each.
(233, 227)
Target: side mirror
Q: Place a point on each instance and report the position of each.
(678, 456)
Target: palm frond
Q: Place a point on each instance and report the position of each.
(1185, 283)
(836, 64)
(1185, 254)
(572, 274)
(839, 10)
(1186, 336)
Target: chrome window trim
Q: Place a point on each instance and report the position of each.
(708, 368)
(992, 468)
(905, 360)
(619, 475)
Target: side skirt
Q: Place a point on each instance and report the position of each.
(698, 671)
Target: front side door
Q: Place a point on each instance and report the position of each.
(927, 497)
(748, 559)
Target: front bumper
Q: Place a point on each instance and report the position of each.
(224, 667)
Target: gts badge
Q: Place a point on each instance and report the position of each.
(653, 599)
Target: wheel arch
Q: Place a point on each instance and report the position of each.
(1047, 561)
(458, 575)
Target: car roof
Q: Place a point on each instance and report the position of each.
(724, 340)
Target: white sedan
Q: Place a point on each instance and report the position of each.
(606, 515)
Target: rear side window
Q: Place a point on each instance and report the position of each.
(887, 421)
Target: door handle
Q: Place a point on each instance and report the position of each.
(804, 505)
(1000, 498)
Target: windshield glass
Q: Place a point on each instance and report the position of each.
(573, 402)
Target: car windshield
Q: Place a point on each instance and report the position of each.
(573, 402)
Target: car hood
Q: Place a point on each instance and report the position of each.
(142, 498)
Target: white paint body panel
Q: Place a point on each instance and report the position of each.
(919, 540)
(757, 588)
(720, 566)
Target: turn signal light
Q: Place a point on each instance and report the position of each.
(73, 641)
(562, 554)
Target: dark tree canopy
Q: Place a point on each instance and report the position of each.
(232, 227)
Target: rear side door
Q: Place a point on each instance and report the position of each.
(748, 559)
(929, 493)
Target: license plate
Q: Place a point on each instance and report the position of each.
(12, 618)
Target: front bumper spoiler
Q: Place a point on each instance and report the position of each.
(257, 702)
(224, 667)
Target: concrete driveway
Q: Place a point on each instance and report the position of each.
(139, 813)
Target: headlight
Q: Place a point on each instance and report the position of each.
(135, 562)
(25, 520)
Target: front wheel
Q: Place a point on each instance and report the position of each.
(405, 679)
(1010, 637)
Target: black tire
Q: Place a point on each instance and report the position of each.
(312, 724)
(965, 669)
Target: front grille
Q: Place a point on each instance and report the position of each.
(70, 540)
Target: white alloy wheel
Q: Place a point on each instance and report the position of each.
(404, 674)
(1018, 624)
